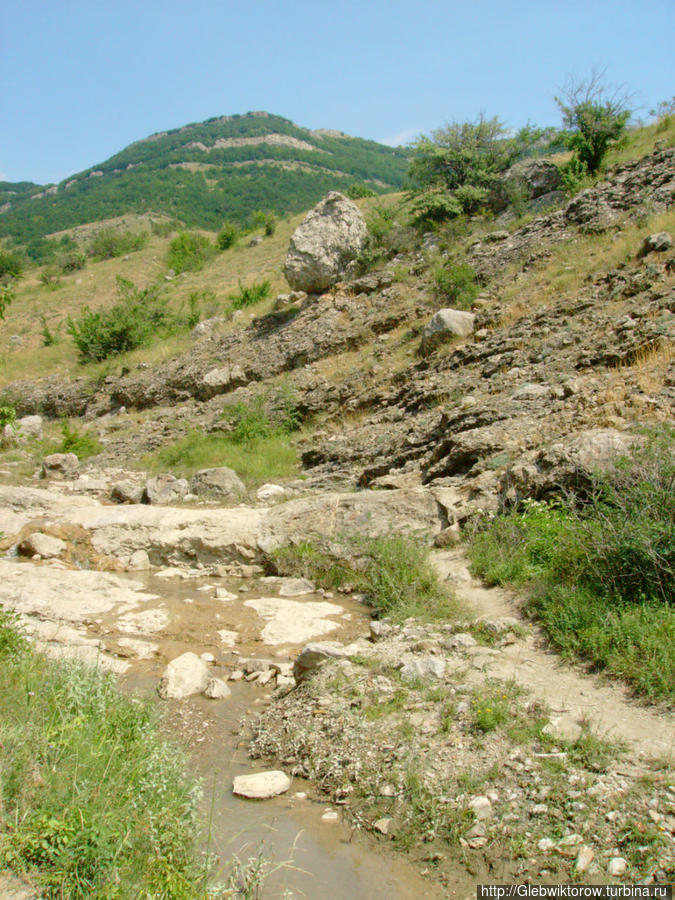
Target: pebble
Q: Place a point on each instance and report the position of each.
(584, 858)
(546, 844)
(330, 816)
(482, 808)
(617, 866)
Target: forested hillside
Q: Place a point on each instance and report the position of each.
(205, 173)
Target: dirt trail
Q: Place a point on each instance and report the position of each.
(572, 695)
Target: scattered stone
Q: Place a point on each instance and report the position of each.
(330, 816)
(43, 545)
(185, 675)
(61, 466)
(216, 689)
(584, 858)
(382, 826)
(221, 482)
(482, 808)
(656, 243)
(224, 594)
(290, 587)
(423, 667)
(446, 324)
(461, 641)
(261, 785)
(617, 866)
(271, 492)
(546, 844)
(164, 490)
(127, 492)
(314, 655)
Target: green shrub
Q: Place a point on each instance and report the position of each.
(189, 252)
(7, 296)
(227, 236)
(380, 223)
(163, 229)
(274, 413)
(82, 443)
(358, 190)
(48, 336)
(72, 261)
(7, 414)
(456, 284)
(110, 243)
(250, 296)
(141, 315)
(600, 568)
(50, 277)
(11, 264)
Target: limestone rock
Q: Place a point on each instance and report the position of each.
(43, 545)
(165, 490)
(447, 323)
(584, 858)
(270, 492)
(482, 808)
(126, 492)
(617, 866)
(656, 243)
(221, 482)
(139, 561)
(220, 381)
(289, 587)
(526, 180)
(330, 237)
(423, 667)
(27, 428)
(187, 674)
(314, 655)
(216, 689)
(62, 466)
(261, 785)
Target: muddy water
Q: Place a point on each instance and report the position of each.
(305, 856)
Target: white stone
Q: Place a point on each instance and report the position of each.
(423, 667)
(185, 675)
(482, 808)
(270, 492)
(290, 587)
(224, 594)
(584, 858)
(546, 844)
(44, 545)
(139, 561)
(330, 816)
(291, 621)
(617, 866)
(261, 785)
(216, 689)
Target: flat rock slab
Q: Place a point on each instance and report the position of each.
(261, 785)
(73, 596)
(293, 621)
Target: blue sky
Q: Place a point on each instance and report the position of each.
(81, 80)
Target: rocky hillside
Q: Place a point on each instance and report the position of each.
(204, 174)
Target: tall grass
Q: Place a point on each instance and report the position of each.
(93, 803)
(600, 569)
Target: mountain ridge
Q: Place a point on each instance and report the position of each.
(205, 173)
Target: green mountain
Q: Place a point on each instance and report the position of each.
(204, 174)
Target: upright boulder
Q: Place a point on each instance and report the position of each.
(325, 244)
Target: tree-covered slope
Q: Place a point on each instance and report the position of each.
(205, 173)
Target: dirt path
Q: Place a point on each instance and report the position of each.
(572, 695)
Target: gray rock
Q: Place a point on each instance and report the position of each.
(270, 492)
(216, 689)
(139, 561)
(27, 428)
(187, 674)
(423, 667)
(325, 244)
(525, 181)
(165, 490)
(220, 381)
(222, 483)
(127, 492)
(617, 866)
(656, 243)
(289, 587)
(61, 466)
(482, 808)
(261, 785)
(446, 324)
(313, 656)
(43, 545)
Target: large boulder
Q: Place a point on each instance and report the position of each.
(164, 490)
(526, 180)
(221, 483)
(187, 674)
(325, 244)
(63, 466)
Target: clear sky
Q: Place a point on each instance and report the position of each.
(81, 80)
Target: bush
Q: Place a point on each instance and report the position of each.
(600, 568)
(48, 336)
(110, 243)
(7, 295)
(141, 315)
(456, 284)
(358, 190)
(249, 296)
(11, 264)
(189, 252)
(163, 229)
(273, 413)
(50, 277)
(227, 236)
(595, 116)
(72, 261)
(82, 443)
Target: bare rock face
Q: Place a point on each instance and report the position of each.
(325, 244)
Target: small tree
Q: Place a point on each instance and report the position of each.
(454, 169)
(595, 116)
